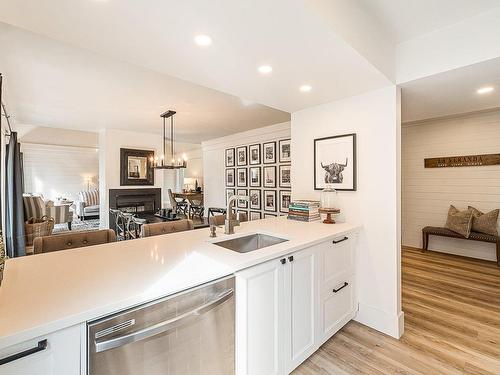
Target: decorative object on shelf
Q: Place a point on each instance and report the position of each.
(255, 177)
(329, 212)
(335, 162)
(241, 174)
(269, 153)
(285, 155)
(136, 167)
(254, 154)
(230, 157)
(304, 210)
(241, 156)
(462, 161)
(285, 176)
(270, 176)
(329, 198)
(285, 199)
(230, 177)
(162, 163)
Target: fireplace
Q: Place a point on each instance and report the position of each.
(141, 201)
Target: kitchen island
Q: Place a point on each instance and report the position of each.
(51, 292)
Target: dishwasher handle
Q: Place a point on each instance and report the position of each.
(164, 326)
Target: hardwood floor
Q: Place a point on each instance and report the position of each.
(452, 324)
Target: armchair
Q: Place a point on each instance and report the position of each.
(35, 206)
(87, 204)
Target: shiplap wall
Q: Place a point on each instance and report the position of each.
(56, 171)
(428, 192)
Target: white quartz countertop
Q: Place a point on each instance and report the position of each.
(47, 292)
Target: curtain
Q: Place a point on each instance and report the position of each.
(14, 210)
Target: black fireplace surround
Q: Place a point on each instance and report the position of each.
(141, 201)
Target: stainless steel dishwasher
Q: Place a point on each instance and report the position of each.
(187, 333)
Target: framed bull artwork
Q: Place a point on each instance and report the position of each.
(335, 162)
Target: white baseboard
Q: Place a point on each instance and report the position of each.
(392, 325)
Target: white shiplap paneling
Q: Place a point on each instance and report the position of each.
(428, 192)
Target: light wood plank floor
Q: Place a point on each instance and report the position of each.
(452, 324)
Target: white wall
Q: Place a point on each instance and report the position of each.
(374, 117)
(214, 163)
(56, 136)
(428, 192)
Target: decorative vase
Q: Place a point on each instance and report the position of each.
(329, 199)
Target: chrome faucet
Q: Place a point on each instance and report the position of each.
(230, 223)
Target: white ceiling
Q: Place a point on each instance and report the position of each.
(452, 92)
(407, 19)
(158, 34)
(48, 83)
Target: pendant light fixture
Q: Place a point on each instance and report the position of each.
(162, 163)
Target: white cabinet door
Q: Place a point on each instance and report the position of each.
(259, 319)
(301, 287)
(57, 353)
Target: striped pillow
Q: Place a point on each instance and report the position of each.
(91, 197)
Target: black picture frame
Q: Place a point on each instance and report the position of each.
(282, 193)
(138, 159)
(239, 182)
(230, 171)
(257, 214)
(265, 182)
(230, 156)
(285, 184)
(265, 156)
(282, 157)
(317, 141)
(267, 215)
(271, 192)
(244, 150)
(258, 194)
(232, 191)
(241, 203)
(251, 153)
(251, 182)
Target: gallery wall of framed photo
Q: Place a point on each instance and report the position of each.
(263, 172)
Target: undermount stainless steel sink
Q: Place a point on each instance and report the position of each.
(249, 243)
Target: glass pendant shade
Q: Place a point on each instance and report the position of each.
(329, 198)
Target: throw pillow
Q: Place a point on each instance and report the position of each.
(459, 221)
(484, 222)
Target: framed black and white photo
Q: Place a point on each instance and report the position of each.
(254, 177)
(270, 203)
(230, 157)
(285, 199)
(285, 154)
(241, 156)
(285, 176)
(270, 176)
(136, 167)
(242, 203)
(254, 151)
(254, 215)
(230, 177)
(241, 177)
(269, 153)
(244, 212)
(229, 194)
(255, 202)
(335, 162)
(266, 215)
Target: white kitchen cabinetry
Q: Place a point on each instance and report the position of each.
(57, 353)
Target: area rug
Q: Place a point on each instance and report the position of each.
(77, 226)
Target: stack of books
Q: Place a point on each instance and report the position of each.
(304, 210)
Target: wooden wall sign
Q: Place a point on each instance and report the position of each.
(462, 161)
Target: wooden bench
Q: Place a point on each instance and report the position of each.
(474, 236)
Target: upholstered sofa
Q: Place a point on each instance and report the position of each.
(35, 206)
(87, 204)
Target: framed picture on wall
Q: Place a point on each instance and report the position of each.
(270, 203)
(242, 203)
(285, 176)
(241, 156)
(229, 194)
(241, 175)
(244, 212)
(230, 157)
(254, 177)
(266, 215)
(285, 154)
(230, 177)
(269, 153)
(136, 167)
(254, 215)
(335, 162)
(285, 199)
(254, 151)
(270, 176)
(255, 202)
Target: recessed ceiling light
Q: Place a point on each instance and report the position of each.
(203, 40)
(265, 69)
(305, 88)
(485, 90)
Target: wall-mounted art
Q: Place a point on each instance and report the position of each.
(229, 155)
(335, 162)
(241, 156)
(462, 161)
(285, 154)
(136, 167)
(254, 151)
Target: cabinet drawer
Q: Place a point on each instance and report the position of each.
(337, 262)
(337, 307)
